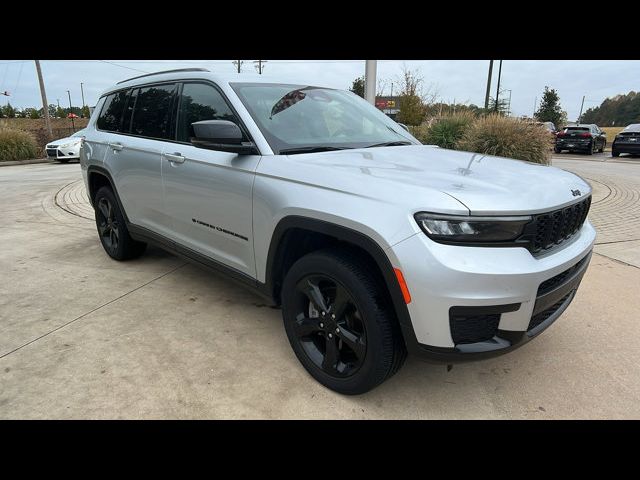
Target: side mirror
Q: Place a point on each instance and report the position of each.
(403, 126)
(221, 135)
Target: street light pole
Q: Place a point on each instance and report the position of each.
(486, 98)
(82, 93)
(509, 108)
(370, 81)
(580, 116)
(73, 125)
(498, 87)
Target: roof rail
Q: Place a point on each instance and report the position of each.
(166, 71)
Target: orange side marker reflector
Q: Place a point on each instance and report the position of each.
(403, 286)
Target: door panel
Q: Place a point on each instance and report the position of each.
(208, 198)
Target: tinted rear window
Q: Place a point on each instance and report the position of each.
(110, 118)
(153, 112)
(577, 129)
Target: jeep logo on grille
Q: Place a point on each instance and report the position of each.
(576, 193)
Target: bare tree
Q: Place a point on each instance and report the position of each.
(381, 87)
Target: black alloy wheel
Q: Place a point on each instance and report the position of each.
(108, 227)
(340, 322)
(329, 325)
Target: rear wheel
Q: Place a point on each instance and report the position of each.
(591, 148)
(615, 153)
(338, 324)
(112, 228)
(604, 144)
(557, 150)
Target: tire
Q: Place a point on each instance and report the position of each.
(614, 153)
(364, 321)
(604, 144)
(112, 228)
(557, 150)
(591, 148)
(63, 160)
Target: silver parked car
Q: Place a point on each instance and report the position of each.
(373, 244)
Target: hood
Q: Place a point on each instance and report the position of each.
(485, 185)
(62, 141)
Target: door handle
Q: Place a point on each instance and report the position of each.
(174, 157)
(116, 146)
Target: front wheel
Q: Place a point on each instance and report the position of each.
(604, 144)
(338, 323)
(112, 228)
(614, 153)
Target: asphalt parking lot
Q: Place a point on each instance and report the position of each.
(83, 336)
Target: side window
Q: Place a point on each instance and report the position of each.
(110, 117)
(152, 112)
(128, 110)
(198, 102)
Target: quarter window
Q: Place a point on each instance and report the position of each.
(110, 118)
(198, 102)
(152, 112)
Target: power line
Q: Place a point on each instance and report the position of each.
(123, 66)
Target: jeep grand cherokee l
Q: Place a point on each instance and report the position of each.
(373, 244)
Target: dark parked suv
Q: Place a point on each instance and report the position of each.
(585, 138)
(627, 141)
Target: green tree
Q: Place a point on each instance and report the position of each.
(357, 86)
(86, 112)
(502, 107)
(619, 110)
(412, 109)
(8, 111)
(52, 110)
(60, 113)
(550, 109)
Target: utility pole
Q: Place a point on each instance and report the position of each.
(238, 63)
(535, 104)
(259, 65)
(43, 94)
(73, 125)
(82, 93)
(486, 97)
(509, 108)
(580, 116)
(58, 102)
(498, 87)
(370, 81)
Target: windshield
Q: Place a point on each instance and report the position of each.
(297, 118)
(79, 133)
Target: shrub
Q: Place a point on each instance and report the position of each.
(507, 137)
(447, 130)
(16, 145)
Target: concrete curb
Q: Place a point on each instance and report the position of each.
(26, 162)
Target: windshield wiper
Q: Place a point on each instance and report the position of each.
(396, 143)
(293, 151)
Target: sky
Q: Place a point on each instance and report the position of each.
(462, 81)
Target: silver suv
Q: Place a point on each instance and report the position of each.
(373, 244)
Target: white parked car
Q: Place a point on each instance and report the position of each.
(67, 148)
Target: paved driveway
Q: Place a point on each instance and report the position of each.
(82, 336)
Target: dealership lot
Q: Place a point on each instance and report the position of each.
(83, 336)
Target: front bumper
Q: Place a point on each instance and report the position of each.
(66, 153)
(502, 288)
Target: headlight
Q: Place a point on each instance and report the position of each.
(70, 144)
(463, 229)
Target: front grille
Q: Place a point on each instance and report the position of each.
(549, 229)
(472, 329)
(545, 314)
(553, 282)
(51, 152)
